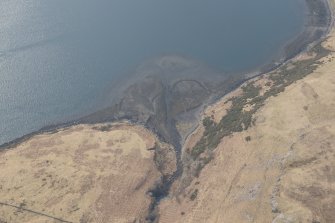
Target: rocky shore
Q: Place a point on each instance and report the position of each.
(170, 94)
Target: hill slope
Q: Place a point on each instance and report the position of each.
(281, 169)
(263, 153)
(85, 173)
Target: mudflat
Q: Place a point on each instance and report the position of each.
(281, 168)
(265, 152)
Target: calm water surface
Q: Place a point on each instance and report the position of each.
(58, 57)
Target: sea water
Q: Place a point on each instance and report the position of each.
(58, 57)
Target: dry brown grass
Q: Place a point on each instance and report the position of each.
(79, 174)
(285, 173)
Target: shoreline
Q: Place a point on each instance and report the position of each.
(273, 67)
(265, 70)
(288, 53)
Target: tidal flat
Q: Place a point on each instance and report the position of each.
(167, 94)
(64, 61)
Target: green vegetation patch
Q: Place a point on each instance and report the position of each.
(194, 194)
(236, 120)
(239, 119)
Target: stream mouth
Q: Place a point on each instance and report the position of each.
(61, 59)
(164, 90)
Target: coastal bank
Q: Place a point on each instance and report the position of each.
(240, 106)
